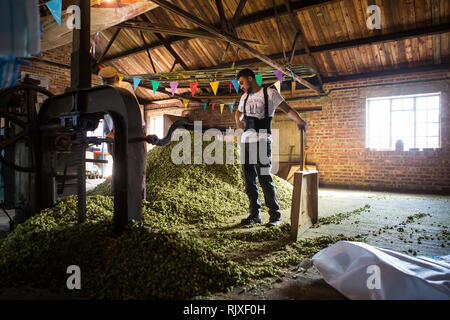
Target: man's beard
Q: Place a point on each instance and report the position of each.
(249, 90)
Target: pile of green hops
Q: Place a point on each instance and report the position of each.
(201, 194)
(147, 261)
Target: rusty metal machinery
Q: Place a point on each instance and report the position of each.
(43, 152)
(18, 148)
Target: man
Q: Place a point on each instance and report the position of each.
(110, 76)
(257, 107)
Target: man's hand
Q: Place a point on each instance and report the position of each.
(301, 124)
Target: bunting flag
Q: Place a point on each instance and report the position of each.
(193, 86)
(214, 86)
(186, 102)
(293, 77)
(258, 79)
(155, 85)
(236, 85)
(99, 68)
(204, 106)
(279, 75)
(231, 107)
(221, 107)
(173, 87)
(212, 107)
(120, 76)
(136, 82)
(230, 86)
(277, 85)
(55, 7)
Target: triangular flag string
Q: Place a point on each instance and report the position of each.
(231, 106)
(136, 82)
(277, 85)
(173, 87)
(186, 103)
(212, 107)
(221, 107)
(258, 79)
(193, 86)
(279, 75)
(236, 85)
(155, 85)
(121, 75)
(204, 107)
(214, 86)
(55, 7)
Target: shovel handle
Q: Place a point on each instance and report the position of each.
(302, 149)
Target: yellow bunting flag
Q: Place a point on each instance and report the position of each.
(221, 107)
(186, 102)
(120, 76)
(277, 85)
(214, 86)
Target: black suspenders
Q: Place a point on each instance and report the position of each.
(266, 103)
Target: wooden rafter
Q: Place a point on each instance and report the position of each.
(335, 46)
(148, 52)
(301, 34)
(110, 42)
(238, 21)
(232, 40)
(168, 47)
(238, 12)
(166, 29)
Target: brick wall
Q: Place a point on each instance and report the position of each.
(336, 136)
(58, 77)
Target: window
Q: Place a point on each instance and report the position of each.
(413, 119)
(157, 127)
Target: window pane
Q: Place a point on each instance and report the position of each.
(421, 142)
(408, 117)
(433, 102)
(433, 142)
(433, 115)
(421, 116)
(408, 104)
(397, 104)
(421, 103)
(421, 130)
(433, 129)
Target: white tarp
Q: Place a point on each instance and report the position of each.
(363, 272)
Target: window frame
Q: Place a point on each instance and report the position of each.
(391, 98)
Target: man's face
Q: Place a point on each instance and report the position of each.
(245, 83)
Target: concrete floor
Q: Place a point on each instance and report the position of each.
(386, 210)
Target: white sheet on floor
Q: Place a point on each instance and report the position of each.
(363, 272)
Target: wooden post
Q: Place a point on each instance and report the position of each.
(304, 206)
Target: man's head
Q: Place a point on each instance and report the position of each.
(246, 78)
(109, 75)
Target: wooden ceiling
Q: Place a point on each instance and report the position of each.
(413, 33)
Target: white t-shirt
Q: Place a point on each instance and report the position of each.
(108, 123)
(255, 108)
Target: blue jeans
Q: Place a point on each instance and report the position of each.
(256, 161)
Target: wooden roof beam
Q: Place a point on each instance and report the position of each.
(396, 36)
(110, 42)
(301, 34)
(167, 5)
(242, 21)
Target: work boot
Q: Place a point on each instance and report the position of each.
(273, 223)
(250, 220)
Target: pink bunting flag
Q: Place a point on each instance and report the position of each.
(173, 87)
(212, 107)
(279, 75)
